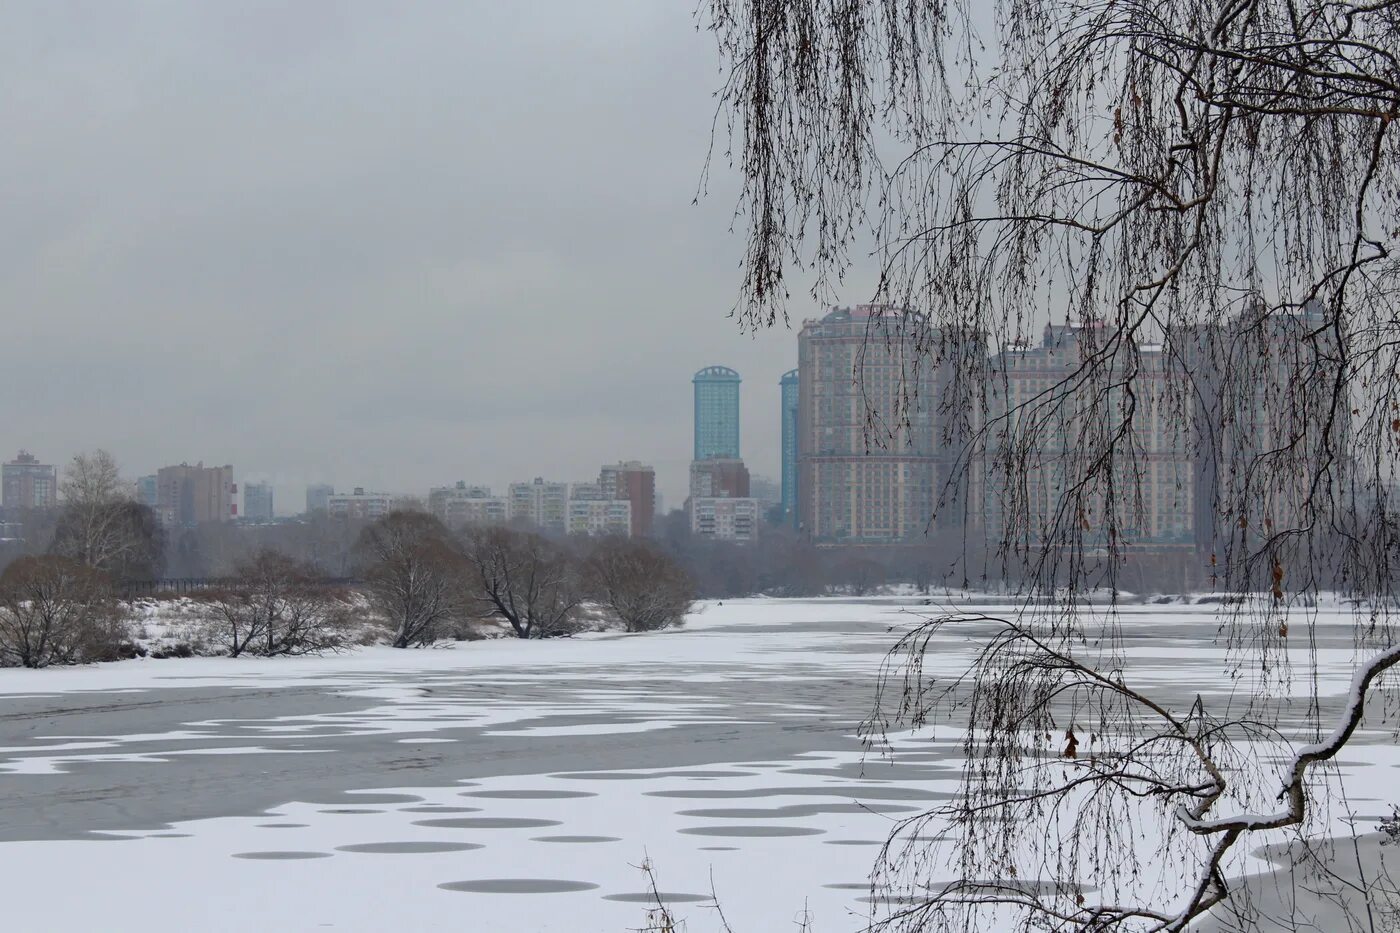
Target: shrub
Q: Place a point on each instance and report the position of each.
(54, 610)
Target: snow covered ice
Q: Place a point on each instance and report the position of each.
(500, 785)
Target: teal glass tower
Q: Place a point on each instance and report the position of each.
(788, 387)
(716, 413)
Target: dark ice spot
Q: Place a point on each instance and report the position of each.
(517, 886)
(395, 848)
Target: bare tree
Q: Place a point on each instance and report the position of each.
(860, 574)
(276, 606)
(54, 610)
(639, 584)
(413, 574)
(523, 578)
(1201, 194)
(101, 526)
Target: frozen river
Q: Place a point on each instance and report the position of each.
(491, 786)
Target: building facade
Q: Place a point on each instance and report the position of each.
(869, 457)
(257, 502)
(716, 413)
(146, 490)
(543, 504)
(191, 495)
(600, 517)
(635, 482)
(467, 505)
(25, 484)
(1044, 478)
(719, 479)
(318, 496)
(725, 519)
(360, 505)
(788, 387)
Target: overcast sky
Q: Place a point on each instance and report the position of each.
(386, 245)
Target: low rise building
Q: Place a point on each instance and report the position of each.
(600, 517)
(468, 505)
(361, 505)
(725, 519)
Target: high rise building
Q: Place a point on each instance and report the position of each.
(257, 502)
(25, 483)
(146, 487)
(1263, 383)
(190, 495)
(867, 465)
(545, 505)
(635, 482)
(716, 413)
(1035, 505)
(788, 386)
(318, 496)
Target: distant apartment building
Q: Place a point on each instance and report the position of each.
(766, 490)
(868, 468)
(1263, 383)
(545, 505)
(791, 400)
(635, 482)
(257, 502)
(147, 490)
(592, 491)
(360, 505)
(468, 505)
(25, 484)
(1152, 500)
(719, 479)
(725, 519)
(716, 413)
(598, 516)
(318, 497)
(192, 495)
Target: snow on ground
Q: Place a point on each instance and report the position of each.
(550, 850)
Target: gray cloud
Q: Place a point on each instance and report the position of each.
(389, 245)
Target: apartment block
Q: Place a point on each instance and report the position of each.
(600, 517)
(191, 495)
(257, 502)
(468, 505)
(25, 484)
(360, 505)
(318, 496)
(869, 459)
(545, 505)
(719, 479)
(725, 519)
(635, 482)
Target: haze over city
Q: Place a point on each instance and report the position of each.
(389, 247)
(840, 466)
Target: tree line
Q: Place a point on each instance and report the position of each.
(419, 579)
